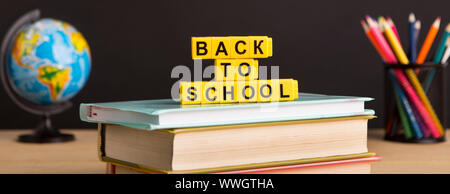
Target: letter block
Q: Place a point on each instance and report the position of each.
(221, 47)
(201, 47)
(191, 92)
(268, 90)
(240, 47)
(229, 92)
(247, 91)
(212, 92)
(260, 47)
(288, 89)
(235, 69)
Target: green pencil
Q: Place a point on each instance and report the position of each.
(404, 119)
(437, 58)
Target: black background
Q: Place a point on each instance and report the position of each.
(135, 44)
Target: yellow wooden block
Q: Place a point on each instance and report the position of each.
(212, 92)
(221, 48)
(229, 92)
(247, 91)
(201, 47)
(235, 69)
(191, 92)
(259, 47)
(246, 69)
(224, 69)
(268, 90)
(288, 89)
(240, 47)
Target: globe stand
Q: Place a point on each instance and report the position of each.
(45, 132)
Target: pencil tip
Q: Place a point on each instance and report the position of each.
(417, 24)
(389, 21)
(364, 25)
(437, 22)
(370, 21)
(412, 17)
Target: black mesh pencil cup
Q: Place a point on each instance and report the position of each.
(405, 120)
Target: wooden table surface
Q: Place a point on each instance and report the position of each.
(80, 156)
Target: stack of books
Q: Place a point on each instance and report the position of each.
(312, 134)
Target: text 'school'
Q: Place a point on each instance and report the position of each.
(205, 92)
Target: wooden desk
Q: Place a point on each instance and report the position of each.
(80, 156)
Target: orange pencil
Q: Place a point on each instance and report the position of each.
(428, 42)
(372, 39)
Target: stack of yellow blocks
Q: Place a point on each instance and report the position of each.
(236, 72)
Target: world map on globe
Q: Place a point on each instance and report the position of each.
(48, 62)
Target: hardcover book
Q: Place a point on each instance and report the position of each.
(360, 165)
(234, 147)
(167, 113)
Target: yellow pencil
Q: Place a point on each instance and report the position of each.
(401, 56)
(396, 47)
(380, 22)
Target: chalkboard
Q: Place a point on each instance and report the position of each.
(135, 44)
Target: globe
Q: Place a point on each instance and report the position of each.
(48, 62)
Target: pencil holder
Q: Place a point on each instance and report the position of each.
(404, 116)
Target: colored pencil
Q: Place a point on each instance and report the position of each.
(412, 37)
(417, 27)
(404, 119)
(405, 107)
(373, 41)
(401, 110)
(374, 30)
(394, 28)
(428, 42)
(380, 22)
(385, 49)
(399, 73)
(441, 47)
(404, 82)
(427, 111)
(426, 117)
(395, 45)
(412, 48)
(437, 58)
(422, 126)
(447, 53)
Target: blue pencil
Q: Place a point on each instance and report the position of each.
(423, 127)
(412, 38)
(407, 107)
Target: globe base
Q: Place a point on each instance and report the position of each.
(45, 133)
(53, 138)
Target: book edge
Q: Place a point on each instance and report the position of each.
(237, 167)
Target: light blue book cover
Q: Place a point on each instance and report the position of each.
(153, 109)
